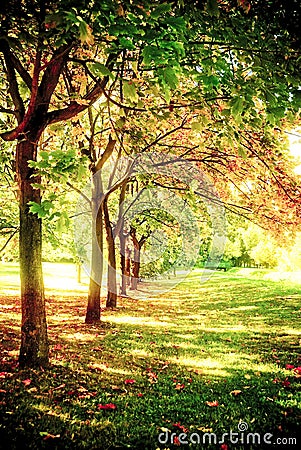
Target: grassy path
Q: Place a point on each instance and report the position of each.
(202, 359)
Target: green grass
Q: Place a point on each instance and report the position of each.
(204, 356)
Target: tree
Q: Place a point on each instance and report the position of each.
(37, 41)
(60, 57)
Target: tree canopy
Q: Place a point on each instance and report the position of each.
(215, 82)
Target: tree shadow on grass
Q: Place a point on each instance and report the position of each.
(180, 363)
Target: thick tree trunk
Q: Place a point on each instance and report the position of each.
(34, 342)
(93, 306)
(112, 283)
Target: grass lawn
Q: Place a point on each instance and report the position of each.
(199, 360)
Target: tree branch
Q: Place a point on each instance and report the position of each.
(12, 81)
(75, 108)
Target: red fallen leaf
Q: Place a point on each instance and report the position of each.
(58, 347)
(107, 406)
(297, 370)
(224, 447)
(286, 383)
(70, 392)
(152, 377)
(179, 386)
(214, 403)
(139, 395)
(2, 391)
(129, 381)
(289, 366)
(26, 382)
(176, 441)
(3, 374)
(181, 427)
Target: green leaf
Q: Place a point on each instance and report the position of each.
(35, 208)
(81, 172)
(242, 151)
(129, 91)
(177, 23)
(169, 77)
(196, 126)
(100, 70)
(83, 31)
(237, 106)
(47, 205)
(38, 186)
(160, 10)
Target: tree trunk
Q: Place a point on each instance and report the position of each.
(93, 306)
(128, 265)
(135, 260)
(112, 283)
(34, 342)
(135, 268)
(122, 240)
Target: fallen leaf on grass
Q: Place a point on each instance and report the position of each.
(224, 447)
(58, 347)
(179, 386)
(235, 392)
(47, 436)
(33, 390)
(26, 382)
(180, 427)
(109, 406)
(176, 441)
(152, 377)
(214, 403)
(130, 381)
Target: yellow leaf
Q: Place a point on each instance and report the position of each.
(235, 392)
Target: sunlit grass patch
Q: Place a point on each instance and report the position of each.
(204, 355)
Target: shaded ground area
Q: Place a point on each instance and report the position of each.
(202, 359)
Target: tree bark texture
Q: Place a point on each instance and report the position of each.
(34, 342)
(135, 260)
(96, 270)
(112, 283)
